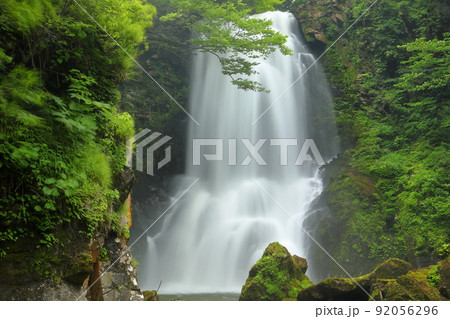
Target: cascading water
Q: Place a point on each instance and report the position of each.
(210, 239)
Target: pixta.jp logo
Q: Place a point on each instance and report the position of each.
(146, 148)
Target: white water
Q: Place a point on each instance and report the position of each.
(210, 239)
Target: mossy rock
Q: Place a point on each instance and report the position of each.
(276, 276)
(390, 269)
(338, 289)
(301, 263)
(412, 286)
(150, 295)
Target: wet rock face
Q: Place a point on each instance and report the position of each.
(77, 269)
(56, 273)
(276, 276)
(119, 280)
(444, 273)
(123, 183)
(301, 263)
(317, 17)
(92, 274)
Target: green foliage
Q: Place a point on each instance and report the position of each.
(134, 262)
(392, 77)
(125, 21)
(28, 14)
(433, 276)
(426, 70)
(444, 251)
(271, 276)
(275, 276)
(62, 138)
(21, 87)
(104, 254)
(259, 6)
(226, 30)
(119, 221)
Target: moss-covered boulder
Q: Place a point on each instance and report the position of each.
(150, 295)
(338, 289)
(390, 269)
(415, 285)
(276, 276)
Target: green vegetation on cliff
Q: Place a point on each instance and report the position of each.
(62, 138)
(391, 74)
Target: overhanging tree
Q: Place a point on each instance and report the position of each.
(226, 29)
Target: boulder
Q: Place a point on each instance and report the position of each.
(412, 286)
(338, 289)
(301, 263)
(150, 295)
(390, 269)
(276, 276)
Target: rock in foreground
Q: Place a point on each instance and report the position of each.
(338, 289)
(280, 276)
(276, 276)
(415, 285)
(393, 280)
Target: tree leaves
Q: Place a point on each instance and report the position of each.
(427, 69)
(227, 30)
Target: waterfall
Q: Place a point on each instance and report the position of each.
(209, 239)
